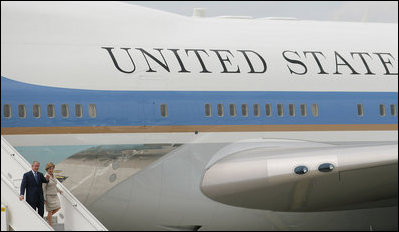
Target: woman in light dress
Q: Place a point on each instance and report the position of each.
(50, 190)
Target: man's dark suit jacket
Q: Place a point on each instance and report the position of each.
(34, 191)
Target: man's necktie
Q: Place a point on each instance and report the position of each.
(36, 178)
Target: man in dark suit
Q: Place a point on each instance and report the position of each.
(32, 182)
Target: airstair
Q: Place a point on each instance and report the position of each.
(20, 216)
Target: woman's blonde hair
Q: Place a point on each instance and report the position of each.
(49, 165)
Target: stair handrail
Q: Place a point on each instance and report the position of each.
(6, 180)
(69, 196)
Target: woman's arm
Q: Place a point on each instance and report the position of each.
(58, 190)
(44, 186)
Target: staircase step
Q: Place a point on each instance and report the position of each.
(58, 227)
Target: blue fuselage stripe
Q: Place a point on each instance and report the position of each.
(138, 108)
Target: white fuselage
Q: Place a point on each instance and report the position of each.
(133, 64)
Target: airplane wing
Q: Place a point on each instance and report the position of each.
(299, 176)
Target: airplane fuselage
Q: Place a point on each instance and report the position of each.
(140, 102)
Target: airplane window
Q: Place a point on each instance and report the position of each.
(7, 110)
(233, 111)
(280, 110)
(65, 110)
(50, 110)
(291, 109)
(382, 110)
(244, 110)
(360, 110)
(22, 111)
(92, 110)
(304, 112)
(268, 108)
(220, 110)
(315, 110)
(393, 109)
(208, 110)
(78, 110)
(164, 110)
(36, 111)
(256, 110)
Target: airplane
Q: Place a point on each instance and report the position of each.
(158, 121)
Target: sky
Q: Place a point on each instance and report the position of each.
(352, 11)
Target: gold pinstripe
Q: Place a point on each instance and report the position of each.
(193, 128)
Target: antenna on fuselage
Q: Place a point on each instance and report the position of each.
(199, 12)
(365, 15)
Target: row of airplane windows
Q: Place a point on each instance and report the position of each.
(36, 110)
(280, 110)
(257, 111)
(37, 113)
(383, 111)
